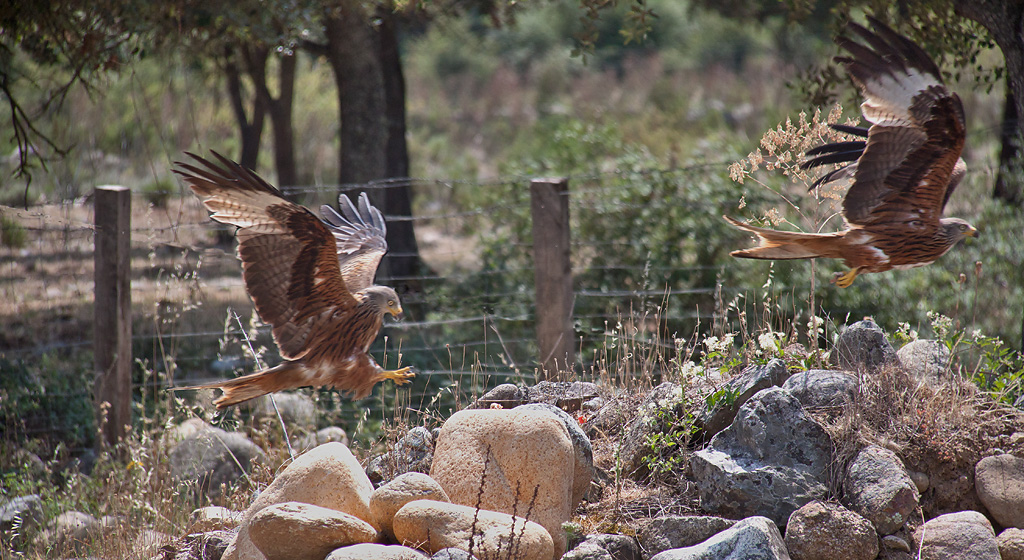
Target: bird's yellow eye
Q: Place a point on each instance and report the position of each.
(963, 227)
(391, 303)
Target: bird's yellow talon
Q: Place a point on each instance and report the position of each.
(844, 280)
(399, 376)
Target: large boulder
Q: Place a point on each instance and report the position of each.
(739, 389)
(328, 476)
(605, 547)
(583, 461)
(208, 459)
(678, 531)
(300, 531)
(510, 461)
(389, 498)
(878, 487)
(432, 526)
(863, 347)
(816, 388)
(770, 461)
(828, 531)
(1000, 483)
(965, 535)
(375, 551)
(754, 538)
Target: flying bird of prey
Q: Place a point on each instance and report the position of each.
(903, 172)
(311, 280)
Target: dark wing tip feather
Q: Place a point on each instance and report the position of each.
(849, 129)
(847, 147)
(227, 172)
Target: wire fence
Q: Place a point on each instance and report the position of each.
(649, 258)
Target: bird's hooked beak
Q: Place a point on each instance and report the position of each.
(395, 311)
(972, 232)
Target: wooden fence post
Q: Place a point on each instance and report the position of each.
(549, 209)
(112, 315)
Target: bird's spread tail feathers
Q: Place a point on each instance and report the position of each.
(782, 245)
(286, 375)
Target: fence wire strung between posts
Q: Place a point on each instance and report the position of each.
(647, 253)
(470, 311)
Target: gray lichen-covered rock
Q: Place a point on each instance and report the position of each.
(754, 538)
(740, 388)
(827, 531)
(770, 461)
(413, 452)
(863, 346)
(821, 387)
(677, 531)
(925, 359)
(879, 488)
(605, 547)
(1000, 483)
(566, 395)
(965, 535)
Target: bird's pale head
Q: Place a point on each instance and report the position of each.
(384, 299)
(955, 229)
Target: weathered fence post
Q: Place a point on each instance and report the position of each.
(549, 209)
(112, 318)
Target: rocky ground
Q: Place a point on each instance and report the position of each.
(884, 455)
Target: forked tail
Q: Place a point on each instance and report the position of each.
(286, 375)
(783, 245)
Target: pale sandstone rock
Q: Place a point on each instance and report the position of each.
(879, 488)
(965, 535)
(300, 531)
(826, 531)
(1011, 544)
(388, 499)
(376, 552)
(1000, 484)
(328, 476)
(431, 526)
(525, 451)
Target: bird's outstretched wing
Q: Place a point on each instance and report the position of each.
(905, 173)
(289, 256)
(359, 235)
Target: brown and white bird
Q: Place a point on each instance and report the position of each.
(903, 173)
(311, 280)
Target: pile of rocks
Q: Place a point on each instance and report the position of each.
(502, 478)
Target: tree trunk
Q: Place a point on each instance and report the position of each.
(280, 109)
(251, 129)
(1004, 20)
(352, 51)
(1010, 176)
(403, 251)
